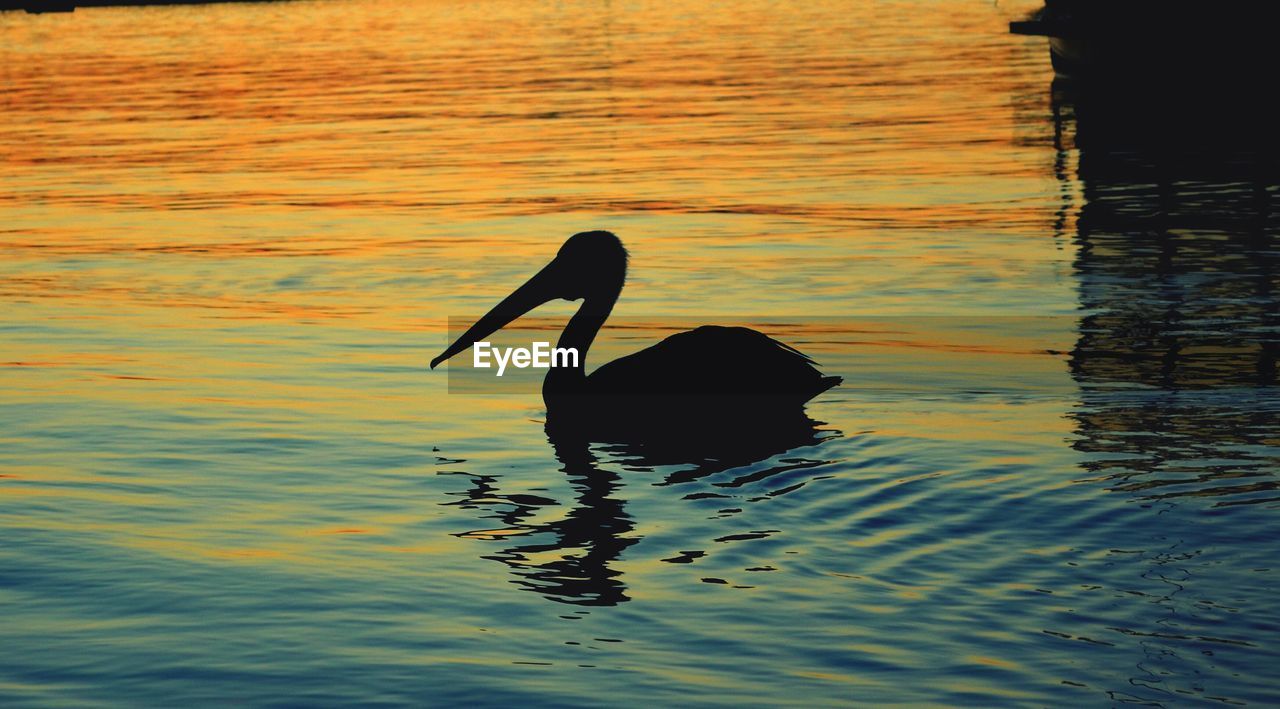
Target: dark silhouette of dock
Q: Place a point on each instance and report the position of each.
(1146, 42)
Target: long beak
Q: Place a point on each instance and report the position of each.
(538, 290)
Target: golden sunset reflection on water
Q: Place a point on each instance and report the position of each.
(235, 234)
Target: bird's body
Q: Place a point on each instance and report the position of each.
(713, 361)
(721, 374)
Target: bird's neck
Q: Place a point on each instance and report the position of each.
(578, 334)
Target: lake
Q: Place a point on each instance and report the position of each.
(234, 235)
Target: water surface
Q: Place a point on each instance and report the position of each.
(233, 236)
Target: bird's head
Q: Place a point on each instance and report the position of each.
(591, 264)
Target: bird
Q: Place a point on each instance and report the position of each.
(735, 377)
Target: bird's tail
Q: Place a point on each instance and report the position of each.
(826, 383)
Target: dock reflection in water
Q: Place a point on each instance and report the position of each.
(1179, 274)
(1176, 361)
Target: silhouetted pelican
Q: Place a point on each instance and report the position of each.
(710, 374)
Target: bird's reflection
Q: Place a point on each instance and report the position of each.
(697, 450)
(1178, 272)
(574, 558)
